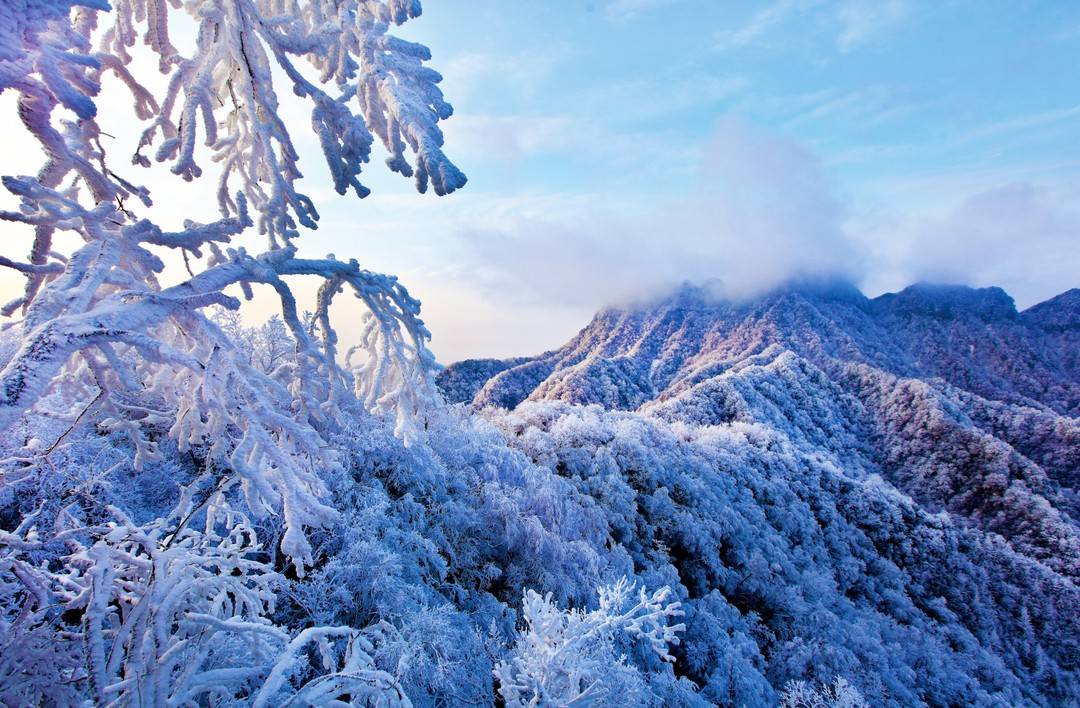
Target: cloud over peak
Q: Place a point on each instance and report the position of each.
(762, 211)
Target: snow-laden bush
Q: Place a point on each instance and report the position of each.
(569, 658)
(166, 613)
(838, 694)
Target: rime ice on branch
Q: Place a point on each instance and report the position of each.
(102, 310)
(103, 339)
(568, 658)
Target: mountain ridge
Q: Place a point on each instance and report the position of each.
(913, 332)
(948, 392)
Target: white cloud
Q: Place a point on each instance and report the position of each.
(1021, 236)
(762, 211)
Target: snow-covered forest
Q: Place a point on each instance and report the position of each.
(808, 499)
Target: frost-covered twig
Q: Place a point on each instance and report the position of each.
(567, 657)
(225, 93)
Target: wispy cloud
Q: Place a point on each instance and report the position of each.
(1022, 123)
(855, 21)
(474, 75)
(870, 105)
(863, 20)
(516, 137)
(762, 21)
(649, 97)
(625, 10)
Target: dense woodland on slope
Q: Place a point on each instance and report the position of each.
(806, 498)
(828, 467)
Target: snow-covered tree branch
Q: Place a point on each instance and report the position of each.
(102, 308)
(106, 342)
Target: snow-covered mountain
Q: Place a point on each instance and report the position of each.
(949, 392)
(972, 339)
(926, 440)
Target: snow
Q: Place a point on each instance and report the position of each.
(811, 498)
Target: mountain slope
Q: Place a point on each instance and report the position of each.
(938, 425)
(948, 392)
(819, 505)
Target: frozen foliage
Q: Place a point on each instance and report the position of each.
(162, 617)
(432, 548)
(568, 658)
(162, 589)
(795, 570)
(839, 694)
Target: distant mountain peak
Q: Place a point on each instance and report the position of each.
(829, 288)
(714, 293)
(1061, 312)
(949, 301)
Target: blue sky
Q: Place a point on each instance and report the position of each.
(616, 147)
(877, 88)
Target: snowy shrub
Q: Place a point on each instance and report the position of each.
(839, 694)
(166, 617)
(565, 658)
